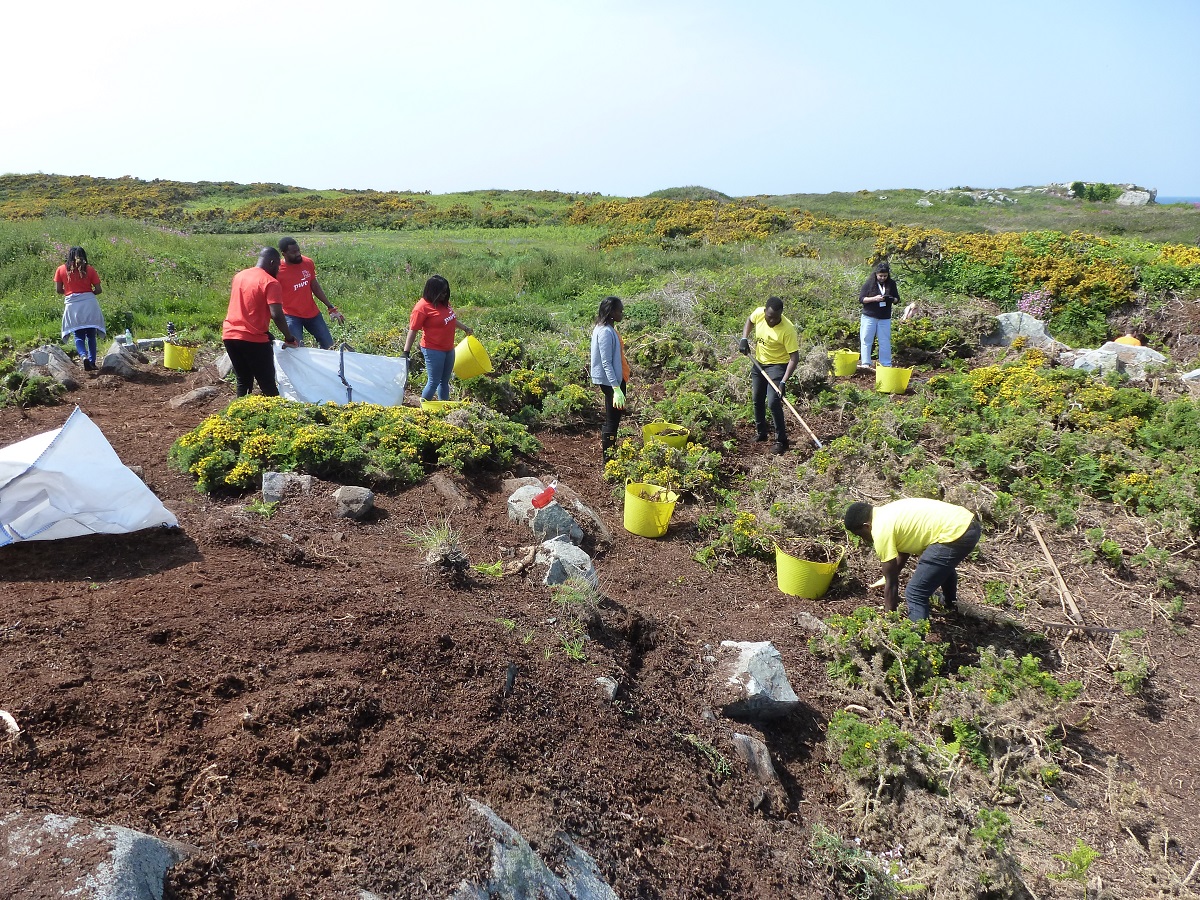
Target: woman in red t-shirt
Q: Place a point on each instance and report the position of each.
(80, 284)
(433, 317)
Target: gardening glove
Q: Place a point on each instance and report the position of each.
(744, 346)
(618, 398)
(335, 315)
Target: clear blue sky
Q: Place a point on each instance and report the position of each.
(616, 96)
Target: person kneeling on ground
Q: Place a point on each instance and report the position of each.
(776, 352)
(941, 533)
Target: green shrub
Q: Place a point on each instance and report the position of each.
(692, 470)
(358, 441)
(882, 651)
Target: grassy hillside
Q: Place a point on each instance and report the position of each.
(1106, 467)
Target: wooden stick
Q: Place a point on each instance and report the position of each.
(1074, 614)
(787, 401)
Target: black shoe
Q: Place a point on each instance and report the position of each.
(88, 365)
(779, 449)
(760, 438)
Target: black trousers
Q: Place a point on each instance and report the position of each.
(612, 415)
(764, 396)
(253, 362)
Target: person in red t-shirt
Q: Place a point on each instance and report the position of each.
(255, 301)
(433, 317)
(80, 284)
(298, 279)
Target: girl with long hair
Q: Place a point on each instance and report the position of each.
(610, 369)
(82, 318)
(436, 321)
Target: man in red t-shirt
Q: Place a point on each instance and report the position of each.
(298, 279)
(254, 302)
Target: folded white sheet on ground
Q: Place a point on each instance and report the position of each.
(341, 376)
(69, 482)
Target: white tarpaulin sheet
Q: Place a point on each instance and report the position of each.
(317, 376)
(69, 482)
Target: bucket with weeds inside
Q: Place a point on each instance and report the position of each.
(648, 509)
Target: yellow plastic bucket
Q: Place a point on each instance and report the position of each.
(845, 363)
(802, 578)
(648, 518)
(654, 432)
(470, 359)
(176, 357)
(441, 405)
(891, 380)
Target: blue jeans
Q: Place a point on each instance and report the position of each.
(439, 366)
(936, 569)
(85, 343)
(868, 329)
(315, 326)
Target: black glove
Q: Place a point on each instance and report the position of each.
(744, 346)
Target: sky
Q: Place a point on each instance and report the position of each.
(620, 97)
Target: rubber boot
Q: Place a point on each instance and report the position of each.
(608, 444)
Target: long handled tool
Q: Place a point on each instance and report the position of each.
(779, 391)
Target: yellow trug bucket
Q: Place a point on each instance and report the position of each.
(845, 363)
(652, 432)
(176, 357)
(470, 359)
(802, 578)
(892, 380)
(441, 405)
(648, 518)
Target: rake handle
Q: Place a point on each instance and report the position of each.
(784, 398)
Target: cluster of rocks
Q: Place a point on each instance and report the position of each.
(980, 196)
(350, 501)
(1138, 363)
(560, 553)
(50, 361)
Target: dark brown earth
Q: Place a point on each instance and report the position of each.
(302, 700)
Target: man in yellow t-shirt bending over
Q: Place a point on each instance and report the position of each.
(942, 534)
(777, 352)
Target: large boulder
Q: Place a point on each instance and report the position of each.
(1114, 357)
(563, 560)
(50, 361)
(1013, 325)
(119, 360)
(750, 681)
(1135, 198)
(47, 855)
(275, 485)
(550, 521)
(354, 502)
(197, 397)
(566, 497)
(519, 873)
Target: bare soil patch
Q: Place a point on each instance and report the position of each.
(303, 700)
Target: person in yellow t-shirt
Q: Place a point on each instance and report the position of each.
(777, 352)
(941, 534)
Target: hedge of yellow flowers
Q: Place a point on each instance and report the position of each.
(359, 441)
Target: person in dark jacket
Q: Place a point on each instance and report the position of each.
(878, 295)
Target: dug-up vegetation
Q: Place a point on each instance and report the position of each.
(321, 707)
